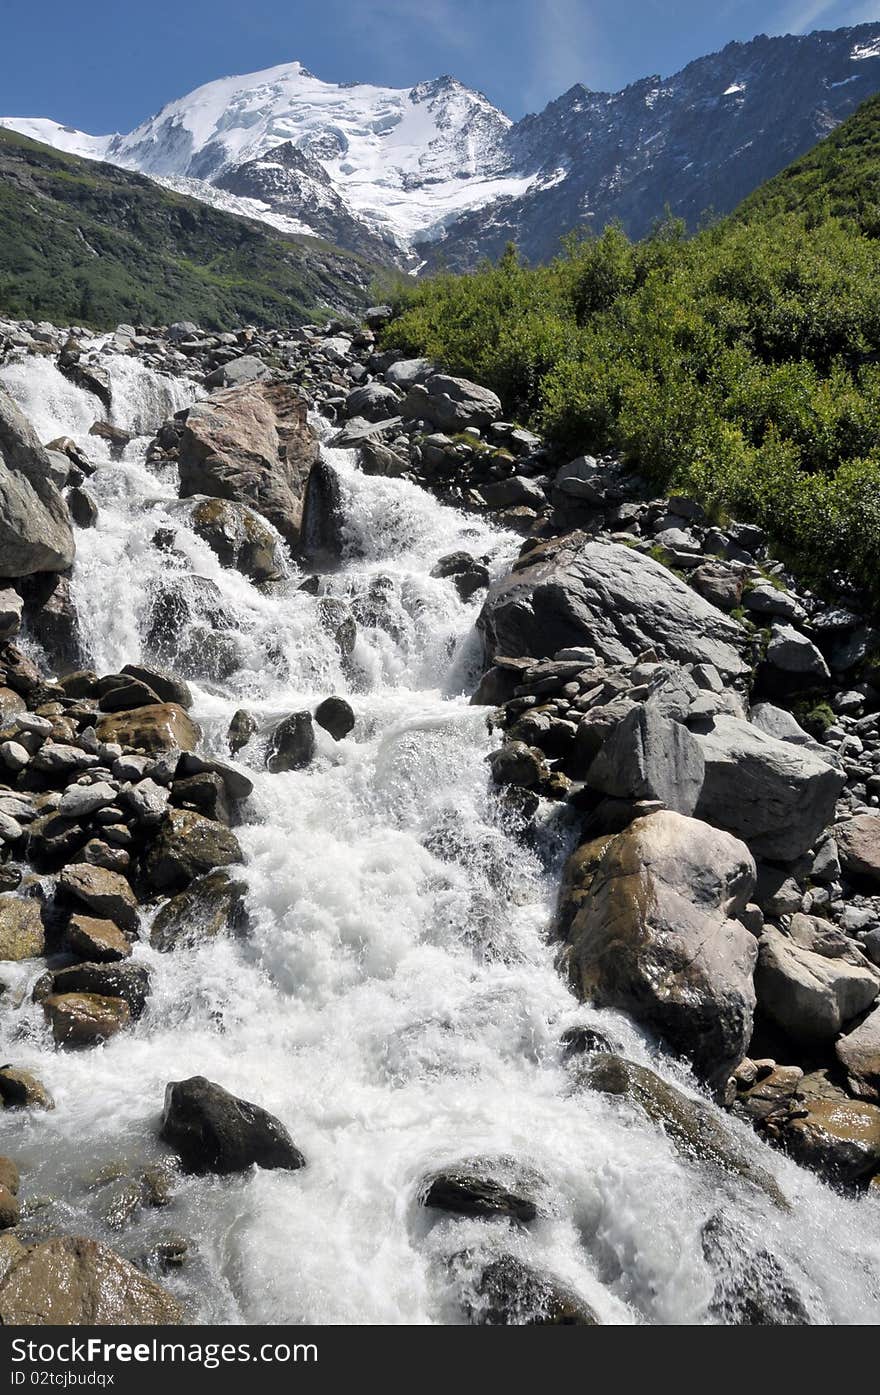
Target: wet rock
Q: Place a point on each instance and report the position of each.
(205, 793)
(518, 764)
(106, 893)
(83, 509)
(187, 845)
(470, 1194)
(158, 727)
(52, 618)
(838, 1138)
(213, 1131)
(238, 537)
(574, 591)
(335, 715)
(10, 612)
(238, 785)
(251, 444)
(19, 1089)
(775, 796)
(292, 743)
(116, 438)
(211, 905)
(98, 940)
(808, 995)
(9, 1176)
(35, 531)
(70, 1281)
(85, 1019)
(751, 1289)
(241, 729)
(656, 936)
(322, 538)
(129, 982)
(22, 934)
(166, 685)
(119, 693)
(694, 1128)
(10, 1209)
(509, 1293)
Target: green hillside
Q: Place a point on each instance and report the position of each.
(84, 242)
(741, 365)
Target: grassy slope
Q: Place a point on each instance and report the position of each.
(89, 243)
(741, 365)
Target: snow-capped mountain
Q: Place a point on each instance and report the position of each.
(437, 172)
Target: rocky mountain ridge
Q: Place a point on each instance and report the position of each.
(438, 173)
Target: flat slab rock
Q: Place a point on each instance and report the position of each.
(575, 591)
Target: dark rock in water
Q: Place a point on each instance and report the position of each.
(116, 438)
(509, 1293)
(190, 628)
(751, 1288)
(118, 692)
(210, 906)
(83, 509)
(213, 1131)
(237, 536)
(131, 982)
(469, 1194)
(51, 617)
(19, 1089)
(241, 729)
(97, 940)
(336, 617)
(468, 575)
(335, 715)
(518, 764)
(187, 846)
(206, 794)
(238, 785)
(292, 744)
(584, 1041)
(322, 541)
(656, 936)
(167, 686)
(91, 377)
(85, 1019)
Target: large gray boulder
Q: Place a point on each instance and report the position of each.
(451, 404)
(575, 592)
(374, 401)
(649, 756)
(808, 995)
(35, 528)
(251, 444)
(776, 796)
(656, 936)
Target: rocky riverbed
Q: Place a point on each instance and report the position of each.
(367, 769)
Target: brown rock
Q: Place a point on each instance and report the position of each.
(85, 1019)
(9, 1176)
(251, 444)
(106, 893)
(19, 1090)
(858, 842)
(22, 935)
(187, 846)
(838, 1138)
(100, 940)
(161, 726)
(10, 1209)
(76, 1282)
(859, 1054)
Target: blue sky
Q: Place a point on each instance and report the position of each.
(105, 65)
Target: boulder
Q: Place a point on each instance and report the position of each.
(19, 1089)
(186, 846)
(808, 995)
(98, 940)
(251, 444)
(407, 371)
(130, 982)
(322, 538)
(838, 1138)
(372, 401)
(247, 369)
(776, 796)
(335, 715)
(792, 653)
(167, 686)
(213, 1131)
(695, 1129)
(292, 743)
(210, 906)
(106, 893)
(469, 1193)
(156, 727)
(574, 592)
(859, 1054)
(35, 529)
(656, 936)
(858, 844)
(451, 404)
(509, 1293)
(22, 935)
(85, 1019)
(70, 1281)
(241, 729)
(648, 756)
(237, 536)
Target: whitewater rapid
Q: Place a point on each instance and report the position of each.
(396, 1002)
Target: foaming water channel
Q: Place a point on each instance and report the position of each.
(396, 1001)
